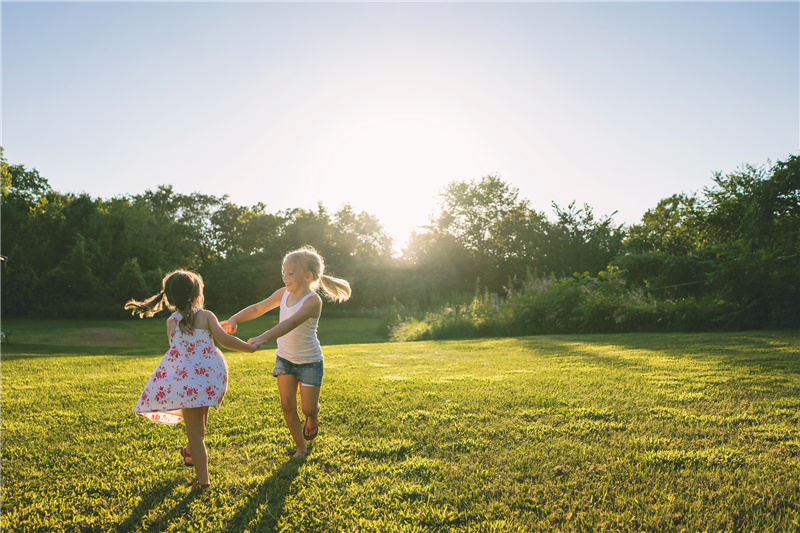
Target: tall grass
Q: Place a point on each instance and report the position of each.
(643, 432)
(578, 304)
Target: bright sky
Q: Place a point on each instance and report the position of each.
(381, 105)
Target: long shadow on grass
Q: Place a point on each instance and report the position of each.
(272, 495)
(150, 499)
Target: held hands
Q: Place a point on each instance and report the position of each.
(229, 326)
(256, 341)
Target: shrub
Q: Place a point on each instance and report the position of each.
(578, 304)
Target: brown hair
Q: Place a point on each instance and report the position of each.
(180, 290)
(336, 289)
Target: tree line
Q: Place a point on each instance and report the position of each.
(72, 255)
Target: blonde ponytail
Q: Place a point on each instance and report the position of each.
(336, 289)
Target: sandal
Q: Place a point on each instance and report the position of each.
(198, 486)
(310, 436)
(185, 454)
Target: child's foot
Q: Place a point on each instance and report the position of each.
(186, 456)
(298, 454)
(311, 433)
(200, 486)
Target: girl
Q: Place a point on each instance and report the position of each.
(299, 359)
(193, 374)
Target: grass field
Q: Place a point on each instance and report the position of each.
(644, 432)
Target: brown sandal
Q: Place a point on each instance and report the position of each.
(185, 454)
(198, 486)
(310, 436)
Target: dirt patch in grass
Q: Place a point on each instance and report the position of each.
(101, 337)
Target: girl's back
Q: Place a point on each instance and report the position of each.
(195, 335)
(193, 373)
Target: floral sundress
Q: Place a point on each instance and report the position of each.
(193, 373)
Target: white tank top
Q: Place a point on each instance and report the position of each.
(300, 346)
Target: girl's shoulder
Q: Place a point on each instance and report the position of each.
(202, 318)
(314, 300)
(315, 297)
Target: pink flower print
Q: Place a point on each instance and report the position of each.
(183, 373)
(208, 350)
(190, 390)
(200, 372)
(160, 373)
(160, 394)
(210, 391)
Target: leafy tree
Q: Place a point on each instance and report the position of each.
(72, 286)
(184, 221)
(21, 190)
(757, 266)
(671, 227)
(73, 255)
(24, 185)
(5, 176)
(129, 282)
(482, 216)
(725, 204)
(312, 228)
(772, 216)
(578, 242)
(438, 267)
(489, 220)
(361, 234)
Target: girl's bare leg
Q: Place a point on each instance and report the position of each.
(287, 387)
(188, 457)
(195, 420)
(309, 403)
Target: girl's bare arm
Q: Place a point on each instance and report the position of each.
(311, 308)
(253, 311)
(207, 320)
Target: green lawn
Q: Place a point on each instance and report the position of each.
(641, 432)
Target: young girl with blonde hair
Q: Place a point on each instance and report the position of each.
(299, 360)
(193, 374)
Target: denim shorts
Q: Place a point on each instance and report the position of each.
(309, 374)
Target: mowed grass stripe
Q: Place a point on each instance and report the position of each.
(560, 433)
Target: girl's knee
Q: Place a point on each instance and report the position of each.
(289, 406)
(310, 410)
(196, 431)
(195, 424)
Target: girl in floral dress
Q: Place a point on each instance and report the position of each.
(193, 375)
